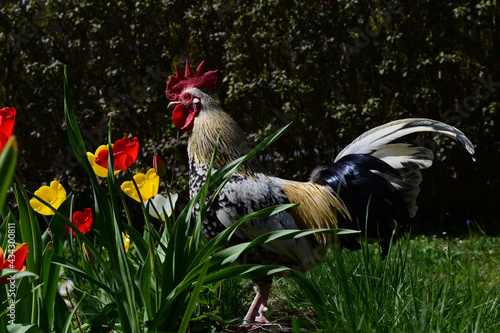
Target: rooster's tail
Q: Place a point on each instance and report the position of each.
(377, 180)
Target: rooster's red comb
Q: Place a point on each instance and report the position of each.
(198, 79)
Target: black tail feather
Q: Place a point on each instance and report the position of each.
(375, 206)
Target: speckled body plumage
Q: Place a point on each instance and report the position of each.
(249, 190)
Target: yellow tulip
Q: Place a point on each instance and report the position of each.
(126, 241)
(99, 170)
(55, 194)
(147, 183)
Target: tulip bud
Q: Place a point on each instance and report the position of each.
(159, 165)
(126, 241)
(51, 242)
(88, 255)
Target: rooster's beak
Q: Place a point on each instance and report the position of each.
(173, 104)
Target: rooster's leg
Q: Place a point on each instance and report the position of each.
(257, 311)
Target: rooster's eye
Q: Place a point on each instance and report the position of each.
(187, 97)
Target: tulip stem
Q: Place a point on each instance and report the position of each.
(125, 207)
(76, 313)
(18, 181)
(152, 256)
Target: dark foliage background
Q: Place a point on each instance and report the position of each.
(334, 68)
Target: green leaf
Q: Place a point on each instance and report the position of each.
(229, 255)
(69, 265)
(227, 170)
(50, 272)
(245, 272)
(107, 221)
(5, 273)
(125, 300)
(22, 328)
(67, 325)
(74, 134)
(8, 161)
(30, 233)
(193, 299)
(145, 284)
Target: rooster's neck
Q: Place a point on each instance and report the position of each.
(209, 124)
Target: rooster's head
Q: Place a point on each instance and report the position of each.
(183, 92)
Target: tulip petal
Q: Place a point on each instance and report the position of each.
(7, 120)
(82, 220)
(59, 191)
(40, 208)
(15, 260)
(126, 241)
(153, 183)
(124, 153)
(54, 195)
(160, 204)
(102, 158)
(99, 170)
(129, 189)
(147, 183)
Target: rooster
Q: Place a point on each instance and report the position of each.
(371, 186)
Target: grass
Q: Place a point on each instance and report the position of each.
(427, 284)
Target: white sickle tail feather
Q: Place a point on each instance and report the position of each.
(376, 138)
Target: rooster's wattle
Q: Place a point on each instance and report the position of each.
(371, 173)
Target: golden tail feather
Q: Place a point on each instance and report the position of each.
(319, 208)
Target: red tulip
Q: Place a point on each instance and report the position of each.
(124, 153)
(15, 260)
(7, 119)
(82, 220)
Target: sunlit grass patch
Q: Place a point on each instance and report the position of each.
(427, 284)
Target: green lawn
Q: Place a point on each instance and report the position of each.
(431, 283)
